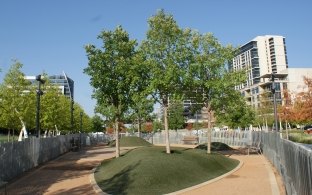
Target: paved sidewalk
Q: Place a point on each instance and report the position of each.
(70, 174)
(255, 176)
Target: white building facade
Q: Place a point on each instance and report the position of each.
(260, 58)
(64, 83)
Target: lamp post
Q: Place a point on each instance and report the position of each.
(81, 114)
(72, 115)
(274, 101)
(39, 93)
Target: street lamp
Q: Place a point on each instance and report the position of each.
(274, 101)
(81, 114)
(39, 93)
(80, 126)
(72, 115)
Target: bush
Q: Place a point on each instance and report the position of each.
(301, 138)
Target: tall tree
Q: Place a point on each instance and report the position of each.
(17, 99)
(142, 103)
(51, 107)
(167, 52)
(298, 110)
(265, 112)
(109, 69)
(209, 74)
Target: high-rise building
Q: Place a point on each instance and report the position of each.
(64, 83)
(261, 57)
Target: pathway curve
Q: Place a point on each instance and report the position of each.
(70, 174)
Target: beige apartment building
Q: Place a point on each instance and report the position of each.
(262, 57)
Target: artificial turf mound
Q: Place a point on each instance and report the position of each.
(215, 146)
(149, 170)
(131, 142)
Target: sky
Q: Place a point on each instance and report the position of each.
(49, 36)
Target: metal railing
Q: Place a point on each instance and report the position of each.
(231, 138)
(292, 160)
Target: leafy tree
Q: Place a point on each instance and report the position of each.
(209, 74)
(303, 104)
(97, 124)
(236, 113)
(51, 107)
(109, 69)
(167, 52)
(148, 127)
(17, 99)
(175, 118)
(300, 111)
(157, 125)
(65, 112)
(86, 120)
(265, 112)
(142, 104)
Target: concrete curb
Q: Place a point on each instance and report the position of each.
(210, 181)
(272, 178)
(94, 185)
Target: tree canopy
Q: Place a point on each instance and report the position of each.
(109, 68)
(170, 62)
(18, 104)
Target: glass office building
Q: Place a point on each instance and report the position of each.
(64, 83)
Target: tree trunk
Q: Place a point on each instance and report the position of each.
(117, 138)
(9, 135)
(209, 132)
(166, 129)
(139, 126)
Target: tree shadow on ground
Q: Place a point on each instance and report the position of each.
(68, 167)
(119, 183)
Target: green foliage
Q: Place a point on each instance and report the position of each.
(235, 113)
(175, 118)
(17, 99)
(109, 69)
(51, 107)
(300, 137)
(157, 125)
(265, 113)
(97, 124)
(167, 52)
(142, 103)
(18, 103)
(209, 73)
(149, 170)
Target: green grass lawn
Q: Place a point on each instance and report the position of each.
(4, 138)
(300, 137)
(149, 170)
